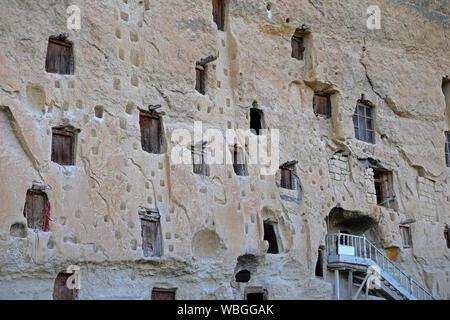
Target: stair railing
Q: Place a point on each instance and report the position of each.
(359, 246)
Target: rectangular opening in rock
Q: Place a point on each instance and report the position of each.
(151, 233)
(200, 78)
(238, 160)
(151, 132)
(383, 187)
(405, 231)
(256, 121)
(59, 57)
(271, 237)
(319, 263)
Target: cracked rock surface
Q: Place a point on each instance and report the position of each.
(132, 54)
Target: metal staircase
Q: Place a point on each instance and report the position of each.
(359, 257)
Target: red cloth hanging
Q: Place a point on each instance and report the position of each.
(47, 216)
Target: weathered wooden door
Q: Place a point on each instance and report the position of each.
(297, 48)
(219, 13)
(162, 295)
(150, 133)
(60, 289)
(34, 209)
(151, 237)
(63, 147)
(59, 57)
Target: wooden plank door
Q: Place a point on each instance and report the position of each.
(60, 289)
(219, 14)
(162, 295)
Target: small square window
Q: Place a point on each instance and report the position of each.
(322, 105)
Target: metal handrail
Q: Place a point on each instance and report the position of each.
(365, 249)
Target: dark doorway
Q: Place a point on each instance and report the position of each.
(271, 237)
(243, 276)
(256, 120)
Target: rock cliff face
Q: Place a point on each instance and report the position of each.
(129, 54)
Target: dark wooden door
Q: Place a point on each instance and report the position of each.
(63, 147)
(59, 57)
(150, 133)
(34, 209)
(297, 48)
(286, 178)
(162, 295)
(200, 80)
(219, 13)
(322, 105)
(61, 291)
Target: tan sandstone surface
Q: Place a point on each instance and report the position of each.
(132, 54)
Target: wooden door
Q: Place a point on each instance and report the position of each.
(151, 238)
(158, 294)
(150, 133)
(63, 147)
(219, 13)
(297, 48)
(322, 105)
(59, 57)
(34, 209)
(60, 289)
(286, 178)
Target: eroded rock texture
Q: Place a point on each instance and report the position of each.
(132, 54)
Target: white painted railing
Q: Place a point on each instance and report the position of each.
(341, 244)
